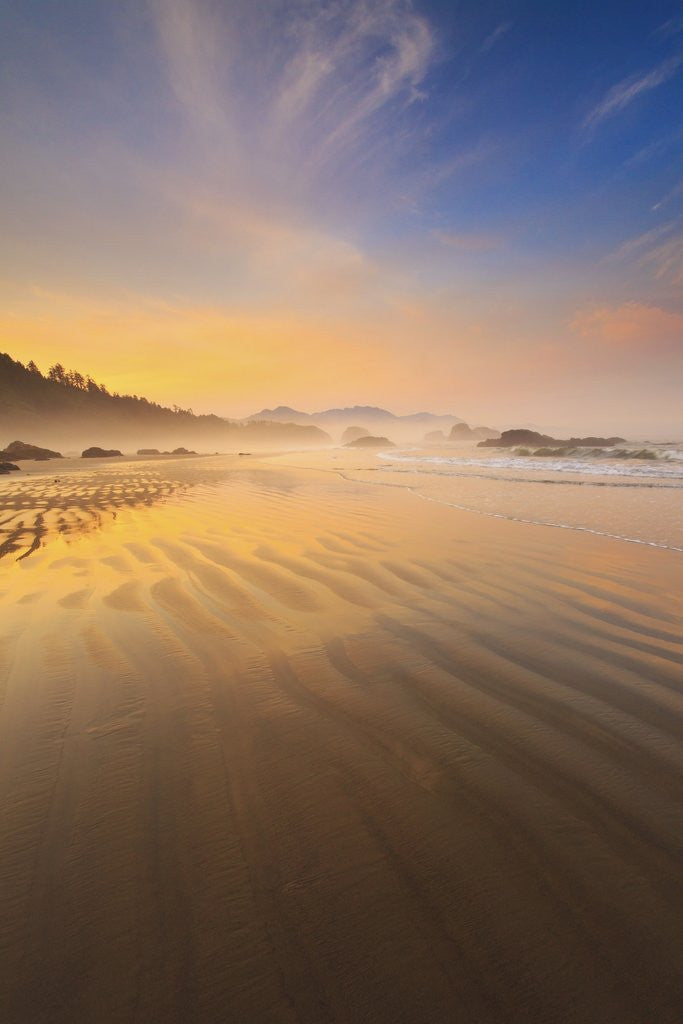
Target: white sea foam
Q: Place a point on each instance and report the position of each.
(668, 466)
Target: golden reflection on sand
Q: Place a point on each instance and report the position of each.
(286, 747)
(70, 500)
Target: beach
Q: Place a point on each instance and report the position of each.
(301, 738)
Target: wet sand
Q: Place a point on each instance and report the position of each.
(280, 746)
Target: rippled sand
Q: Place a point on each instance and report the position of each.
(277, 745)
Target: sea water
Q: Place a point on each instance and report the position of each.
(633, 493)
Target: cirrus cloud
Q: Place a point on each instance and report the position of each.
(628, 89)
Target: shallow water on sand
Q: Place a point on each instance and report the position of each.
(634, 499)
(281, 745)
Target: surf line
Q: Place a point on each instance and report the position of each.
(509, 518)
(645, 483)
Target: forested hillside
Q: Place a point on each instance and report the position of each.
(64, 408)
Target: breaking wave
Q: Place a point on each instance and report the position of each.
(648, 465)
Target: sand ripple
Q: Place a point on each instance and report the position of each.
(280, 750)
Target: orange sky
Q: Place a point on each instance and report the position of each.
(233, 362)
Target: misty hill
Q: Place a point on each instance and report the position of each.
(370, 442)
(353, 433)
(373, 414)
(410, 427)
(64, 410)
(463, 432)
(282, 414)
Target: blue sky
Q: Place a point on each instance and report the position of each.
(465, 206)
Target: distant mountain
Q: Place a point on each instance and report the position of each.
(66, 410)
(283, 414)
(353, 433)
(410, 427)
(355, 413)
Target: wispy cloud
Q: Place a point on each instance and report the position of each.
(666, 259)
(672, 194)
(297, 151)
(659, 251)
(625, 92)
(641, 243)
(193, 45)
(670, 28)
(655, 150)
(310, 91)
(293, 120)
(495, 36)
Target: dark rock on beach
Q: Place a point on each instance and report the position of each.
(370, 442)
(510, 438)
(21, 451)
(7, 467)
(100, 453)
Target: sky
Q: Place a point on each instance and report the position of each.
(466, 207)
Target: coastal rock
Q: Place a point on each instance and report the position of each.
(485, 433)
(353, 433)
(460, 432)
(510, 438)
(20, 451)
(370, 442)
(148, 451)
(182, 451)
(594, 442)
(7, 467)
(100, 453)
(463, 432)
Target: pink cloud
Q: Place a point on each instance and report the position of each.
(631, 325)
